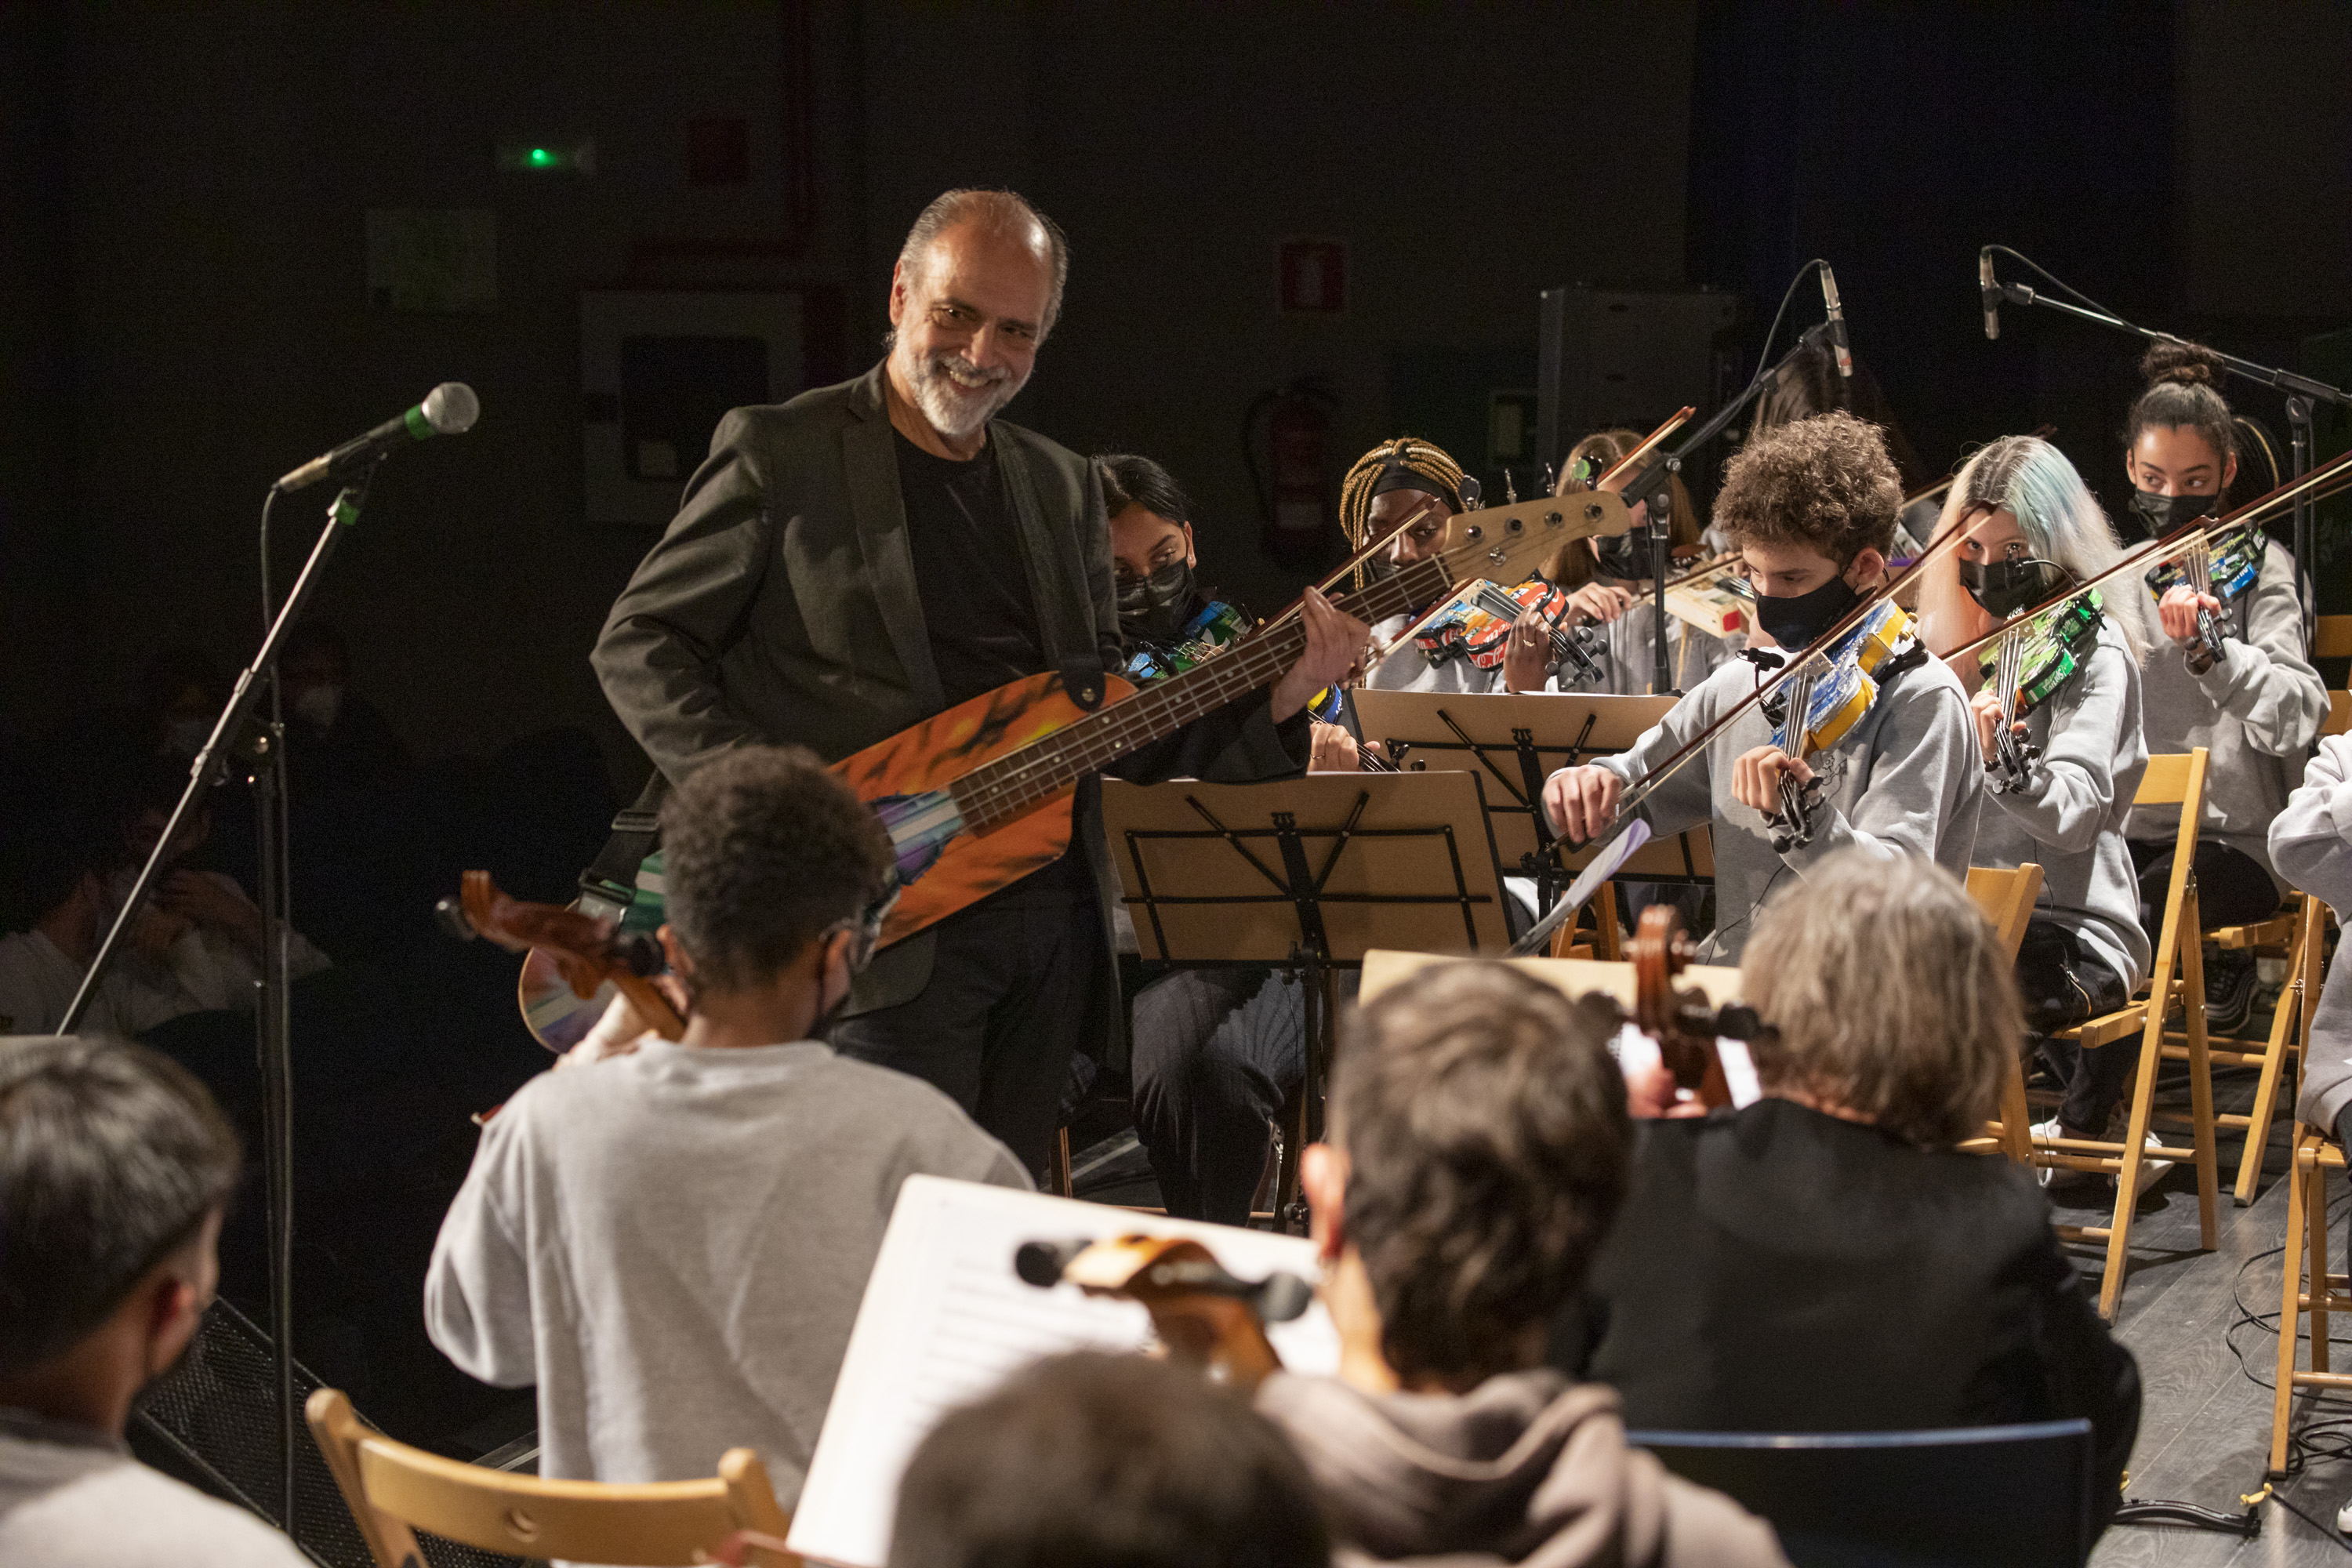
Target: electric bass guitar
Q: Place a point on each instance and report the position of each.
(978, 796)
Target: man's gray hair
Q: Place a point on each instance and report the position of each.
(1005, 212)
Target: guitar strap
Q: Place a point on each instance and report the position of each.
(636, 832)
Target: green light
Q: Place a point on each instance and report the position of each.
(540, 157)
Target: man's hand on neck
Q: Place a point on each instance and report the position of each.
(908, 418)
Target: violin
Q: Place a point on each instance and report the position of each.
(1681, 1021)
(1203, 1314)
(2032, 662)
(1216, 628)
(585, 952)
(1830, 689)
(2224, 566)
(1479, 628)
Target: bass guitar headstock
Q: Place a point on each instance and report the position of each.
(1508, 543)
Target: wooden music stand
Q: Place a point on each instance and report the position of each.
(1518, 740)
(1309, 875)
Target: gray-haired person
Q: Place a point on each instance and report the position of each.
(115, 1167)
(870, 555)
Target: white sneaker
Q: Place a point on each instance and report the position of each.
(2042, 1129)
(2150, 1171)
(2344, 1519)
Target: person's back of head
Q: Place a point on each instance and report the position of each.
(1484, 1146)
(1888, 994)
(114, 1168)
(767, 854)
(1106, 1461)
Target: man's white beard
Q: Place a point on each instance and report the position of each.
(956, 408)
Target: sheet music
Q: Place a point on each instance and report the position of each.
(945, 1319)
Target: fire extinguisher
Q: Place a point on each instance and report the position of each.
(1286, 436)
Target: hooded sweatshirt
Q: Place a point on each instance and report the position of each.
(2311, 844)
(2255, 711)
(1526, 1468)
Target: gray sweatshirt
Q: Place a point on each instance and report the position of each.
(2255, 711)
(72, 1498)
(673, 1245)
(1526, 1468)
(1904, 780)
(2070, 819)
(2311, 846)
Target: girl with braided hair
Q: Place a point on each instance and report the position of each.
(2254, 703)
(1385, 486)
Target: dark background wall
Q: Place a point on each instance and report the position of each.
(183, 315)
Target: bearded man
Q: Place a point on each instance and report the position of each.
(867, 555)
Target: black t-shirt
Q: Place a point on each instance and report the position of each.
(970, 571)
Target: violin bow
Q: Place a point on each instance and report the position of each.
(2181, 540)
(1649, 444)
(1636, 795)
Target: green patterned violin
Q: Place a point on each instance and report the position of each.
(2032, 661)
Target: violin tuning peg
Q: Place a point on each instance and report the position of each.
(450, 913)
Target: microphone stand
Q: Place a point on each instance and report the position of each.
(2301, 391)
(1656, 478)
(262, 751)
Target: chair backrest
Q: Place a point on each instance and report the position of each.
(2007, 900)
(2175, 778)
(2020, 1496)
(392, 1487)
(2332, 638)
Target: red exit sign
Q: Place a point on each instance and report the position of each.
(1314, 277)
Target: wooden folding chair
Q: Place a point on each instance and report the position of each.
(394, 1490)
(2179, 981)
(2007, 900)
(2307, 1287)
(1602, 941)
(2298, 934)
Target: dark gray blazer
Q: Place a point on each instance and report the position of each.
(781, 606)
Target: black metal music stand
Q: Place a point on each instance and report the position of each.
(1518, 740)
(1307, 874)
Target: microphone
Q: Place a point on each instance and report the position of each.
(1990, 290)
(449, 409)
(1837, 323)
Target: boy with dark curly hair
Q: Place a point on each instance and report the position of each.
(1810, 508)
(671, 1243)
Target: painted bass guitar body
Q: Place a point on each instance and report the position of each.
(943, 866)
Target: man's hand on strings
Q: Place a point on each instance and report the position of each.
(1334, 751)
(1756, 778)
(2178, 610)
(1335, 640)
(1581, 802)
(1526, 656)
(1985, 707)
(1602, 602)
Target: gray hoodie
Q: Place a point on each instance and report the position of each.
(1904, 780)
(2255, 711)
(2311, 844)
(1526, 1468)
(2069, 818)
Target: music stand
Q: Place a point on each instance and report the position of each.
(1518, 739)
(1307, 874)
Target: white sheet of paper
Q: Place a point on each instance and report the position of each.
(945, 1319)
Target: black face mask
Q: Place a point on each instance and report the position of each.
(2164, 513)
(1154, 610)
(1798, 620)
(2005, 587)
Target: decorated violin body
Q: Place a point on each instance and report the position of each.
(1478, 628)
(2031, 663)
(1820, 704)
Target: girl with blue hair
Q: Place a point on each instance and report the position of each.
(2059, 793)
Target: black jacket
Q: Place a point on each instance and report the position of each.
(781, 606)
(1779, 1270)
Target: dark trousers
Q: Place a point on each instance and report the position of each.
(1215, 1050)
(2064, 983)
(2232, 888)
(1018, 987)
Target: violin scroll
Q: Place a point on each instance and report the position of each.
(1201, 1312)
(1682, 1023)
